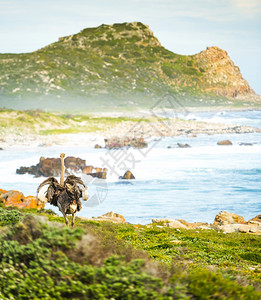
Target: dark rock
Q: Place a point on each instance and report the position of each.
(183, 145)
(225, 143)
(127, 175)
(102, 174)
(1, 148)
(116, 142)
(97, 146)
(246, 144)
(52, 167)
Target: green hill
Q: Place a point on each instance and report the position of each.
(121, 64)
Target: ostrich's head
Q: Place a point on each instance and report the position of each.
(62, 155)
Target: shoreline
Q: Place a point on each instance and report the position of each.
(224, 221)
(146, 129)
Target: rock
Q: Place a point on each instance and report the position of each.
(255, 220)
(115, 142)
(112, 217)
(192, 135)
(2, 192)
(127, 175)
(102, 174)
(97, 146)
(245, 144)
(225, 143)
(194, 225)
(224, 218)
(17, 199)
(1, 148)
(183, 145)
(169, 223)
(52, 167)
(228, 81)
(176, 242)
(87, 169)
(244, 228)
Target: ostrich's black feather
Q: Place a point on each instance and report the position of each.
(65, 195)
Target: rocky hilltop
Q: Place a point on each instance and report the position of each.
(121, 61)
(220, 73)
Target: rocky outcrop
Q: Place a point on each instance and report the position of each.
(225, 143)
(220, 74)
(52, 167)
(17, 199)
(245, 144)
(255, 220)
(112, 217)
(182, 224)
(116, 142)
(108, 217)
(231, 222)
(224, 218)
(169, 223)
(183, 145)
(97, 146)
(127, 175)
(224, 221)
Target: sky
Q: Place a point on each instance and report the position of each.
(182, 26)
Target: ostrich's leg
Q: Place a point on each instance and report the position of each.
(66, 220)
(73, 219)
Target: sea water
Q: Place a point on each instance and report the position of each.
(180, 183)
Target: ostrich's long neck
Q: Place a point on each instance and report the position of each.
(62, 170)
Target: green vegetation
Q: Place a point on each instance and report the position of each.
(9, 216)
(40, 122)
(100, 260)
(109, 66)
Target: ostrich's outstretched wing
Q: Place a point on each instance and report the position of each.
(74, 181)
(47, 189)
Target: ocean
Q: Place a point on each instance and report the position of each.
(193, 183)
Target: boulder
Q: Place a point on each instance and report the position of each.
(245, 144)
(97, 146)
(225, 143)
(127, 175)
(108, 217)
(87, 169)
(183, 145)
(170, 223)
(115, 143)
(194, 225)
(102, 174)
(112, 217)
(52, 167)
(224, 218)
(243, 228)
(255, 220)
(17, 199)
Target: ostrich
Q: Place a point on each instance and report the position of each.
(66, 194)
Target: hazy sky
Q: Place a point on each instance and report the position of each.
(182, 26)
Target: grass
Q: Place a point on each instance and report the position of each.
(39, 122)
(100, 260)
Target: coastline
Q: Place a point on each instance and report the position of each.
(140, 128)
